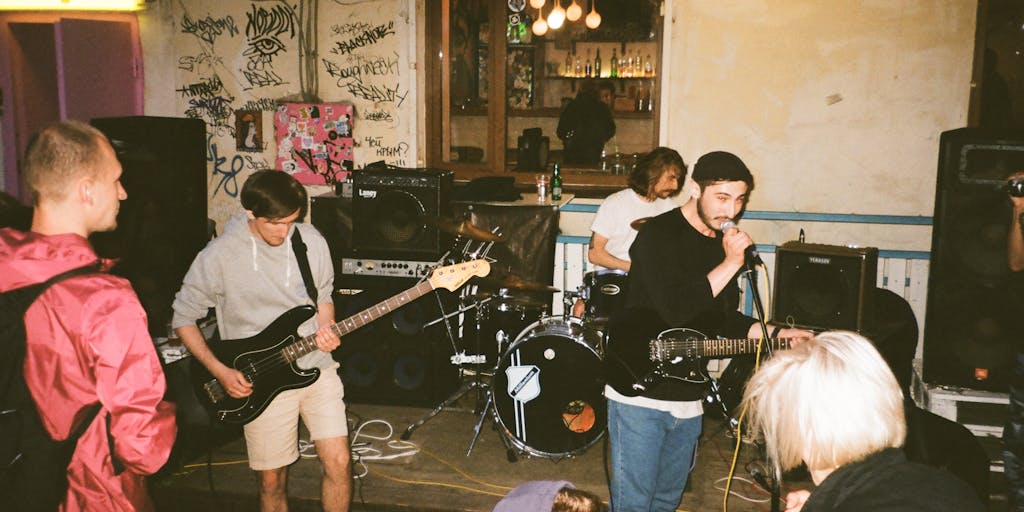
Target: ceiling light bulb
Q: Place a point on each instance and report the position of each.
(540, 27)
(593, 20)
(536, 4)
(557, 16)
(574, 11)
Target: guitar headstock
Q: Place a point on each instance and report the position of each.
(454, 276)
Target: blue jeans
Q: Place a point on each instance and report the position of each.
(1013, 438)
(652, 455)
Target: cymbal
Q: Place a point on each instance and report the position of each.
(505, 298)
(639, 222)
(463, 228)
(512, 282)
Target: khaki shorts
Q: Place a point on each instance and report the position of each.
(272, 439)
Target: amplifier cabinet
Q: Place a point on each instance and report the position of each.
(824, 286)
(389, 208)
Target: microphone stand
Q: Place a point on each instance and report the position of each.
(750, 273)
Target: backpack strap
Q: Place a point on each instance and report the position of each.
(299, 248)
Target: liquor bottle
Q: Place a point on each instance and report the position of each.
(556, 183)
(648, 66)
(567, 70)
(589, 69)
(614, 65)
(578, 69)
(627, 68)
(597, 64)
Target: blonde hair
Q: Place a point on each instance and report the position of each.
(569, 499)
(58, 154)
(830, 401)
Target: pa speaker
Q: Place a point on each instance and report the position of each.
(974, 301)
(824, 286)
(389, 210)
(395, 360)
(162, 225)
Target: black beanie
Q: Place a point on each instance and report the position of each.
(721, 166)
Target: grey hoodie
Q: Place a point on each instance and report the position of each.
(251, 283)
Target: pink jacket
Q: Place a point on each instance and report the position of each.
(87, 339)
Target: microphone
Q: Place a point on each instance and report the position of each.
(751, 259)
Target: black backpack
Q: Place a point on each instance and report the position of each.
(33, 467)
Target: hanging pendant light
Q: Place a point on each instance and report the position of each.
(557, 16)
(574, 11)
(540, 27)
(537, 4)
(593, 19)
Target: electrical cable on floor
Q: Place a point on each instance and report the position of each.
(752, 483)
(739, 430)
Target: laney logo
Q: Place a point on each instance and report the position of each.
(819, 260)
(368, 193)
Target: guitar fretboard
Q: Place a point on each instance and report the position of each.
(307, 344)
(667, 349)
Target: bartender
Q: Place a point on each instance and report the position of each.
(586, 123)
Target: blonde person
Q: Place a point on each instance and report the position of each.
(833, 404)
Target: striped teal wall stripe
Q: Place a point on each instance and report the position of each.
(905, 220)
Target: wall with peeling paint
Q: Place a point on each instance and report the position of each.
(837, 107)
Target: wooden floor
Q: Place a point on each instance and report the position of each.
(432, 471)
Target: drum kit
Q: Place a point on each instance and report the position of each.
(539, 377)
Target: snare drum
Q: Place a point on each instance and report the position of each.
(606, 294)
(548, 389)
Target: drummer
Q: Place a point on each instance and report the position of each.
(657, 178)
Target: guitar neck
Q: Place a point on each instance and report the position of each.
(668, 349)
(307, 344)
(734, 347)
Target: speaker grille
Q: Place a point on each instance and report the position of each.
(824, 286)
(973, 298)
(389, 208)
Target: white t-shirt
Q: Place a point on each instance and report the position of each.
(617, 212)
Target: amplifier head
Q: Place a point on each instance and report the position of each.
(389, 207)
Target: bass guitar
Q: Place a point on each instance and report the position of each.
(636, 358)
(268, 359)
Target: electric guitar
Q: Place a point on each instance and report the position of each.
(636, 358)
(268, 359)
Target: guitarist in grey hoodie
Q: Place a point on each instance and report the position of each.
(251, 275)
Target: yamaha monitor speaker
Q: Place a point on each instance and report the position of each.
(972, 323)
(162, 225)
(395, 360)
(389, 207)
(824, 286)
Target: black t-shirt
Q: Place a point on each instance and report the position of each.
(668, 274)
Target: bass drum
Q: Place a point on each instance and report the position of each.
(548, 389)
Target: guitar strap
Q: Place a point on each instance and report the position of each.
(299, 248)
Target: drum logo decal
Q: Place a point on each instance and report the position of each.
(578, 416)
(523, 382)
(610, 289)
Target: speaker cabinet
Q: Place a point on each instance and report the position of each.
(974, 301)
(332, 216)
(395, 360)
(389, 207)
(824, 286)
(162, 225)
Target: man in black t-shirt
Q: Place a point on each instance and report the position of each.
(684, 269)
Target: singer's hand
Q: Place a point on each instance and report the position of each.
(735, 242)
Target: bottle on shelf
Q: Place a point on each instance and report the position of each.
(556, 183)
(578, 68)
(648, 66)
(567, 70)
(613, 65)
(641, 105)
(597, 64)
(627, 65)
(588, 68)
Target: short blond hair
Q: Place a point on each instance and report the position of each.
(57, 155)
(830, 401)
